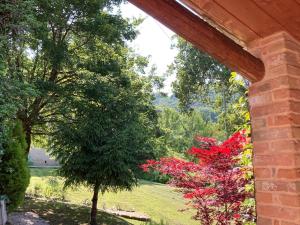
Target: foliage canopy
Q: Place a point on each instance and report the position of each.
(53, 46)
(200, 78)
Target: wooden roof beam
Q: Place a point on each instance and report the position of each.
(204, 36)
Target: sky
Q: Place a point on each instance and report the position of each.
(154, 39)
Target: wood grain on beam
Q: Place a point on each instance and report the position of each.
(204, 36)
(253, 16)
(224, 19)
(285, 12)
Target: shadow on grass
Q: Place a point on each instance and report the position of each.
(68, 214)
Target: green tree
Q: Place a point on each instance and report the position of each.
(232, 105)
(11, 92)
(196, 73)
(56, 38)
(202, 79)
(14, 173)
(108, 129)
(14, 16)
(179, 129)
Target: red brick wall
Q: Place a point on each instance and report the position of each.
(275, 114)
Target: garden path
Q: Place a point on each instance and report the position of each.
(26, 218)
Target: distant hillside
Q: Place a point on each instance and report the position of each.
(165, 101)
(172, 102)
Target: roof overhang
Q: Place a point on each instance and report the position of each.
(224, 28)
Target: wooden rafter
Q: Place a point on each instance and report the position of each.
(204, 36)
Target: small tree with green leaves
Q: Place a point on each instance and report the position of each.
(108, 130)
(14, 173)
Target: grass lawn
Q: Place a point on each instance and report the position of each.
(58, 213)
(159, 201)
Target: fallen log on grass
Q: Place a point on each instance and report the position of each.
(129, 214)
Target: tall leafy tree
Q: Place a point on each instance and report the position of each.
(11, 93)
(196, 73)
(60, 35)
(108, 126)
(179, 129)
(200, 78)
(232, 105)
(13, 19)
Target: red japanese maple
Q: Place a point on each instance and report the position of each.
(216, 184)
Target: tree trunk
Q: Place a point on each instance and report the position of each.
(27, 129)
(28, 139)
(94, 205)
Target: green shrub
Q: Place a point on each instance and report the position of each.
(50, 188)
(154, 176)
(54, 189)
(37, 190)
(14, 173)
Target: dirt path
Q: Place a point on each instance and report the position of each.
(26, 218)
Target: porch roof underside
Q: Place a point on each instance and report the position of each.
(226, 28)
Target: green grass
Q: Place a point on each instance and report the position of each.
(42, 172)
(159, 201)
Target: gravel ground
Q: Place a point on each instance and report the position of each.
(26, 218)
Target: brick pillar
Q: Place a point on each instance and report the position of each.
(275, 112)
